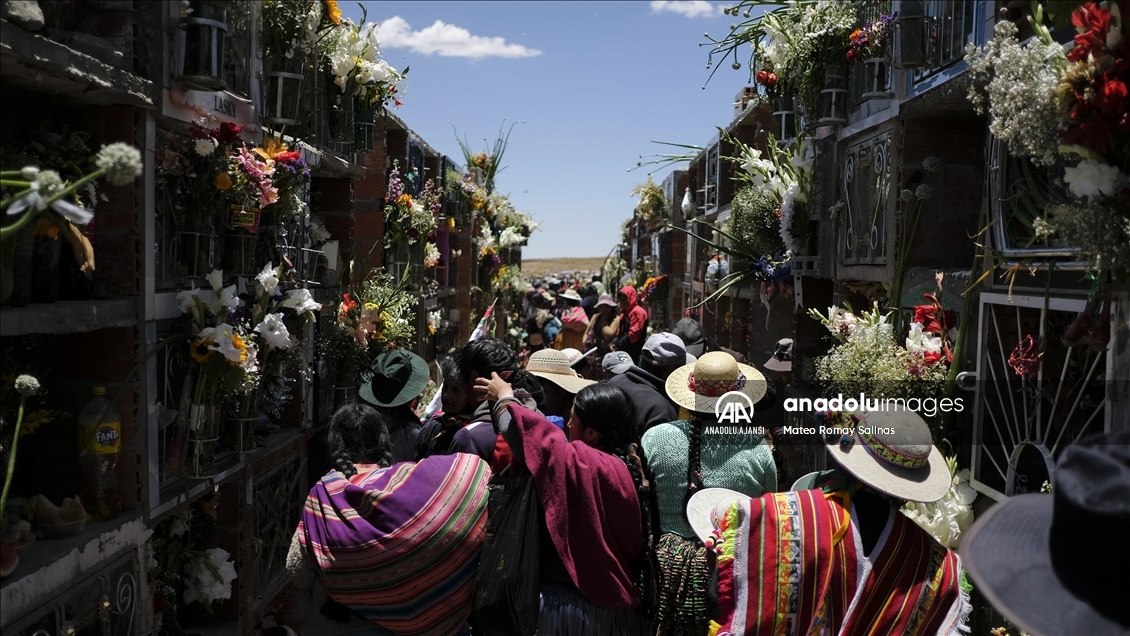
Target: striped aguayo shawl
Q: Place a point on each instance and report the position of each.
(791, 563)
(400, 545)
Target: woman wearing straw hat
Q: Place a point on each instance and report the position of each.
(562, 381)
(840, 557)
(688, 455)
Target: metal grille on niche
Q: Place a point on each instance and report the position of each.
(866, 183)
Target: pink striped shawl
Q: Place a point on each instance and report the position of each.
(400, 545)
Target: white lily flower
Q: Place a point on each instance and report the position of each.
(300, 300)
(269, 279)
(216, 280)
(222, 342)
(274, 331)
(918, 341)
(229, 297)
(187, 300)
(1091, 178)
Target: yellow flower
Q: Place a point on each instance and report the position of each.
(477, 201)
(405, 200)
(200, 351)
(238, 343)
(333, 11)
(223, 181)
(274, 146)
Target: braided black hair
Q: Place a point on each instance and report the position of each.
(607, 409)
(357, 432)
(694, 455)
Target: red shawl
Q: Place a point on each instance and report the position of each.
(591, 509)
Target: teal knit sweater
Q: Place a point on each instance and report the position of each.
(735, 459)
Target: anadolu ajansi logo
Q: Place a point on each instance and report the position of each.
(734, 407)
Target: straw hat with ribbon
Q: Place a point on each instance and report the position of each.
(553, 365)
(892, 452)
(698, 386)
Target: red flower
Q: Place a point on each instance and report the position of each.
(1110, 98)
(772, 79)
(1025, 358)
(287, 157)
(932, 318)
(762, 77)
(932, 357)
(227, 132)
(851, 56)
(1093, 22)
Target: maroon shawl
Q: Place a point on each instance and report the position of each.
(591, 509)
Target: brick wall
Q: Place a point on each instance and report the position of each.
(368, 199)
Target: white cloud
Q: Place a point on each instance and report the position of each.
(447, 40)
(688, 8)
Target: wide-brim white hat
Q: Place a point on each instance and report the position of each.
(705, 507)
(714, 374)
(892, 452)
(553, 365)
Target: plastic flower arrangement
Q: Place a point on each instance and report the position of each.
(408, 218)
(655, 287)
(870, 41)
(240, 342)
(652, 206)
(950, 517)
(373, 316)
(434, 319)
(431, 254)
(867, 359)
(791, 45)
(353, 55)
(1068, 110)
(290, 28)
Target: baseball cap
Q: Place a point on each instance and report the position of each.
(690, 332)
(664, 350)
(616, 362)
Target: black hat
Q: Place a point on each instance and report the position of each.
(1052, 564)
(690, 332)
(399, 377)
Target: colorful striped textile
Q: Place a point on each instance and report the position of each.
(400, 545)
(791, 563)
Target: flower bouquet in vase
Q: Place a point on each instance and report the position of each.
(373, 316)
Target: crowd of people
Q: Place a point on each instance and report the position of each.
(584, 486)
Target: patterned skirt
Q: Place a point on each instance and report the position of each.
(565, 612)
(684, 574)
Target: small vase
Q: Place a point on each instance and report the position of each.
(833, 97)
(200, 460)
(240, 435)
(283, 90)
(876, 78)
(203, 422)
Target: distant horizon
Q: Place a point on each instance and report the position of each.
(593, 84)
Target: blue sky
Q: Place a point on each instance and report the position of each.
(594, 82)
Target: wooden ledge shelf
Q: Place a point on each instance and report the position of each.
(68, 316)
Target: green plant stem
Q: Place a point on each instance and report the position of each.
(968, 304)
(12, 455)
(30, 214)
(14, 184)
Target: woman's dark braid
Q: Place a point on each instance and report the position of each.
(694, 456)
(632, 456)
(344, 463)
